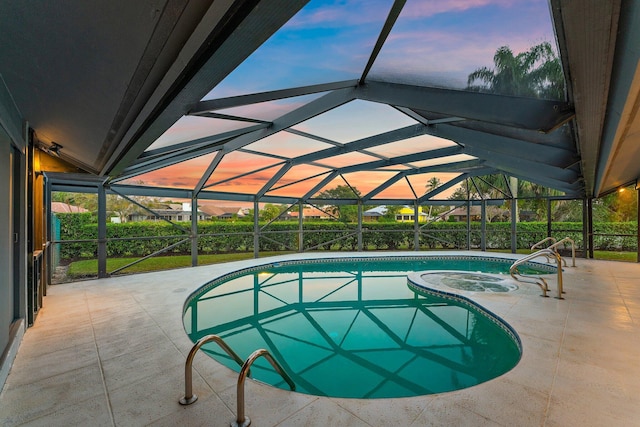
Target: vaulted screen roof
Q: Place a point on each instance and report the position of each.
(279, 100)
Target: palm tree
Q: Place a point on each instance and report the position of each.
(432, 184)
(536, 72)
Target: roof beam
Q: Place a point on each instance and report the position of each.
(326, 180)
(321, 105)
(255, 98)
(189, 150)
(138, 190)
(251, 172)
(298, 181)
(466, 166)
(274, 179)
(523, 166)
(440, 202)
(415, 157)
(364, 143)
(549, 166)
(528, 113)
(560, 157)
(177, 153)
(388, 183)
(229, 117)
(424, 120)
(562, 137)
(392, 17)
(469, 166)
(10, 118)
(221, 195)
(587, 32)
(619, 150)
(447, 185)
(207, 174)
(228, 34)
(574, 188)
(196, 144)
(163, 162)
(314, 137)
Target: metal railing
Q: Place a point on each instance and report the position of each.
(573, 249)
(241, 419)
(554, 246)
(537, 280)
(539, 244)
(189, 397)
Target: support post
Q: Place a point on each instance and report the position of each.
(483, 225)
(359, 225)
(256, 229)
(194, 232)
(102, 232)
(514, 224)
(638, 221)
(20, 221)
(416, 226)
(548, 217)
(48, 251)
(590, 226)
(468, 223)
(300, 226)
(585, 231)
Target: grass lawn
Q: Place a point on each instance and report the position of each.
(616, 256)
(89, 267)
(605, 255)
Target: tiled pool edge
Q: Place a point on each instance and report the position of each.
(333, 258)
(414, 281)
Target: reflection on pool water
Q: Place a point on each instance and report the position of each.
(352, 329)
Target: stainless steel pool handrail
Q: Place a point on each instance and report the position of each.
(573, 249)
(189, 397)
(242, 420)
(546, 239)
(541, 282)
(555, 244)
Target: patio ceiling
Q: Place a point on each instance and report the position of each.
(207, 99)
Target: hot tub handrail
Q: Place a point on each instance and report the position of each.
(573, 249)
(546, 239)
(513, 270)
(189, 397)
(242, 420)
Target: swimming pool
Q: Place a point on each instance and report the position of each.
(351, 327)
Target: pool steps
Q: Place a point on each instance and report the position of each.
(241, 419)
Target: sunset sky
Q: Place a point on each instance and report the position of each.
(434, 42)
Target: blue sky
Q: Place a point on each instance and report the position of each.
(332, 40)
(434, 42)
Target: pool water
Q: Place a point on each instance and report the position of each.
(352, 329)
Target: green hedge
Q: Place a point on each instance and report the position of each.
(227, 236)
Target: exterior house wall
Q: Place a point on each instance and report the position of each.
(407, 214)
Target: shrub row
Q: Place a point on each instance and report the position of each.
(226, 236)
